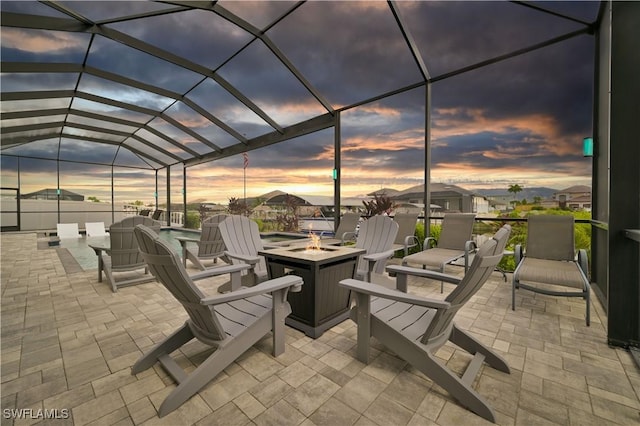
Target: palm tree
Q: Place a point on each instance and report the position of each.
(515, 188)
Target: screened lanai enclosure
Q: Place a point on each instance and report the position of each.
(157, 101)
(156, 105)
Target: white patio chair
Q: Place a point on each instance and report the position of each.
(68, 230)
(95, 229)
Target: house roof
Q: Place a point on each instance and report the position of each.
(314, 200)
(389, 192)
(53, 192)
(436, 188)
(575, 189)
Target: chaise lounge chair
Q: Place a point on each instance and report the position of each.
(406, 238)
(67, 230)
(550, 258)
(230, 323)
(95, 229)
(415, 327)
(454, 243)
(345, 232)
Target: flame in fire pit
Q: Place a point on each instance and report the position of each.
(314, 244)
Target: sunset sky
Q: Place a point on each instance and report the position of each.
(521, 120)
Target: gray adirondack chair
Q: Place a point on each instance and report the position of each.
(454, 243)
(229, 323)
(415, 327)
(123, 254)
(345, 232)
(550, 258)
(376, 236)
(210, 244)
(242, 241)
(406, 237)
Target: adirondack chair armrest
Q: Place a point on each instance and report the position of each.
(518, 253)
(371, 289)
(424, 273)
(252, 260)
(583, 261)
(98, 248)
(374, 257)
(291, 282)
(213, 272)
(185, 240)
(402, 274)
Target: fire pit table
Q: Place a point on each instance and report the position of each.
(322, 303)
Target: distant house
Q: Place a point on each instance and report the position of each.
(450, 198)
(52, 194)
(308, 205)
(500, 202)
(575, 197)
(389, 192)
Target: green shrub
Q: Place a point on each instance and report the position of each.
(192, 220)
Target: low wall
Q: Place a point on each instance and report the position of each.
(43, 214)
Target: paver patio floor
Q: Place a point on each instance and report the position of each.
(68, 344)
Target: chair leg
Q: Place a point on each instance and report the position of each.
(588, 300)
(168, 345)
(473, 346)
(111, 279)
(278, 314)
(207, 371)
(248, 280)
(462, 392)
(194, 259)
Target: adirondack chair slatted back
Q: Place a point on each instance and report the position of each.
(550, 237)
(211, 242)
(124, 251)
(484, 263)
(241, 235)
(167, 267)
(376, 235)
(457, 229)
